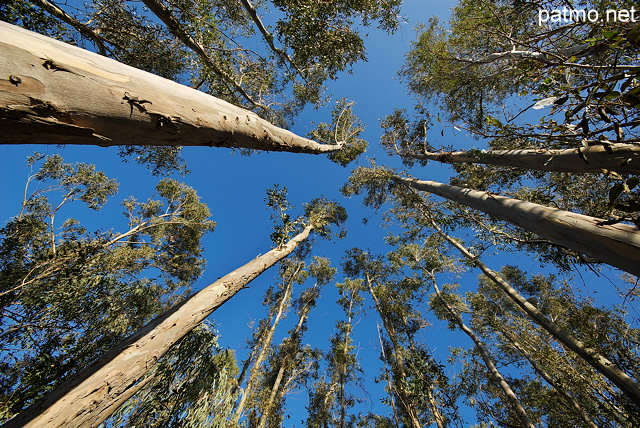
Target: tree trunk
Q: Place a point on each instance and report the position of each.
(263, 346)
(612, 372)
(544, 375)
(90, 396)
(55, 93)
(622, 158)
(399, 384)
(495, 374)
(617, 244)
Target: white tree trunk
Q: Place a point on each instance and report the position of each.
(623, 158)
(617, 244)
(55, 93)
(90, 396)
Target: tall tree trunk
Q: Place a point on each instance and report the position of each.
(399, 384)
(622, 158)
(617, 245)
(544, 375)
(90, 396)
(55, 93)
(612, 372)
(263, 346)
(495, 374)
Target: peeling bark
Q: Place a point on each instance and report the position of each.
(90, 396)
(617, 245)
(55, 93)
(621, 158)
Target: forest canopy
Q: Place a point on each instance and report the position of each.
(471, 261)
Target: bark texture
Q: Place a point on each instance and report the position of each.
(617, 245)
(55, 93)
(621, 158)
(89, 397)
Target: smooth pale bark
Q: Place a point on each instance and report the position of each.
(89, 397)
(603, 365)
(622, 158)
(617, 244)
(263, 346)
(493, 370)
(55, 93)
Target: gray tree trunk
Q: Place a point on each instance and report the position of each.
(493, 370)
(599, 362)
(55, 93)
(90, 396)
(622, 158)
(617, 244)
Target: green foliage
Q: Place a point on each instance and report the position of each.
(68, 295)
(188, 387)
(345, 129)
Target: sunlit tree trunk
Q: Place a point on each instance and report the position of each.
(264, 342)
(617, 244)
(495, 374)
(55, 93)
(612, 372)
(621, 158)
(90, 396)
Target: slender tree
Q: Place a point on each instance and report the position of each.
(68, 295)
(497, 377)
(100, 388)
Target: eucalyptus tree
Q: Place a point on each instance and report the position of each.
(541, 95)
(189, 386)
(590, 399)
(330, 399)
(278, 301)
(68, 294)
(415, 214)
(292, 362)
(418, 387)
(450, 307)
(224, 48)
(100, 388)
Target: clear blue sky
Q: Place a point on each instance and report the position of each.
(234, 188)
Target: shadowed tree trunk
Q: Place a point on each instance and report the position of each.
(571, 401)
(621, 158)
(495, 374)
(603, 365)
(617, 244)
(90, 396)
(55, 93)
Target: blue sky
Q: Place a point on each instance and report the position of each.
(234, 188)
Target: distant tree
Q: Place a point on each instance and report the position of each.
(124, 365)
(330, 400)
(68, 295)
